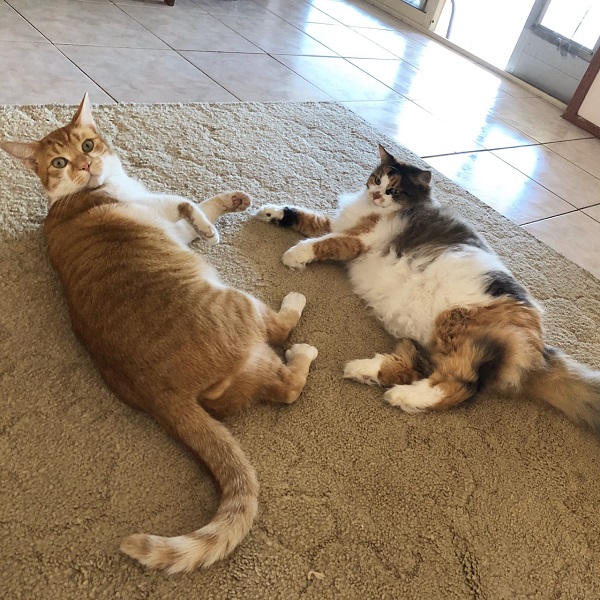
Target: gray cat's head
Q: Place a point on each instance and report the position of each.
(397, 183)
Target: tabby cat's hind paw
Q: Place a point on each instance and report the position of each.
(270, 213)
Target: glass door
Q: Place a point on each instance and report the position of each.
(422, 12)
(556, 45)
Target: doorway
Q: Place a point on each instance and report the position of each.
(547, 43)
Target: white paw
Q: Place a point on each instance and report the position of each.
(299, 255)
(269, 213)
(414, 398)
(309, 351)
(209, 235)
(364, 370)
(294, 300)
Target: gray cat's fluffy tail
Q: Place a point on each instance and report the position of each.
(569, 386)
(217, 448)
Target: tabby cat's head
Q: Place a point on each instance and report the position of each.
(397, 183)
(69, 159)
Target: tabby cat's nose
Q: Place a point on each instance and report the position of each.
(376, 195)
(83, 163)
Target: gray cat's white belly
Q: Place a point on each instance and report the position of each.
(408, 294)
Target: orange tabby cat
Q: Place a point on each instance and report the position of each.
(167, 336)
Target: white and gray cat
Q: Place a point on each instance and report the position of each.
(463, 321)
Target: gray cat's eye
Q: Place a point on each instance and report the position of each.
(87, 146)
(59, 163)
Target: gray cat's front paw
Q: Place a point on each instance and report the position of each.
(270, 213)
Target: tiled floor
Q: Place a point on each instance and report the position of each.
(497, 139)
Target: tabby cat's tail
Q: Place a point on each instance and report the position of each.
(568, 386)
(217, 448)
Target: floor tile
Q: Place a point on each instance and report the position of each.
(357, 14)
(34, 73)
(255, 77)
(338, 78)
(412, 127)
(14, 28)
(191, 29)
(276, 36)
(135, 78)
(346, 42)
(242, 8)
(555, 173)
(502, 187)
(575, 235)
(86, 24)
(594, 212)
(584, 153)
(296, 12)
(537, 118)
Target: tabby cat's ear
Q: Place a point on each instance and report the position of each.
(385, 156)
(83, 116)
(24, 151)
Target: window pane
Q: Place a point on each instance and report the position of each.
(420, 4)
(577, 20)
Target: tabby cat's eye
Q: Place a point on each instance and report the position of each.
(87, 146)
(392, 192)
(377, 180)
(59, 163)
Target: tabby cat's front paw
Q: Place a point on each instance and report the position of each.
(270, 213)
(299, 255)
(236, 201)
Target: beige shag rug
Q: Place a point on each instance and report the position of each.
(498, 499)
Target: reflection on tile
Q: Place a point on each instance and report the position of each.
(396, 74)
(501, 186)
(14, 28)
(191, 29)
(584, 153)
(346, 42)
(397, 42)
(357, 14)
(594, 212)
(255, 77)
(135, 78)
(246, 8)
(276, 36)
(536, 118)
(296, 12)
(338, 78)
(555, 173)
(87, 24)
(412, 127)
(575, 235)
(34, 73)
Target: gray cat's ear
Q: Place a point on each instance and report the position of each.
(24, 151)
(83, 116)
(384, 155)
(424, 177)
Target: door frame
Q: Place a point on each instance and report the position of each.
(571, 113)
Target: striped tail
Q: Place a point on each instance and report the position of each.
(217, 448)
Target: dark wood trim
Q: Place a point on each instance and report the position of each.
(574, 105)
